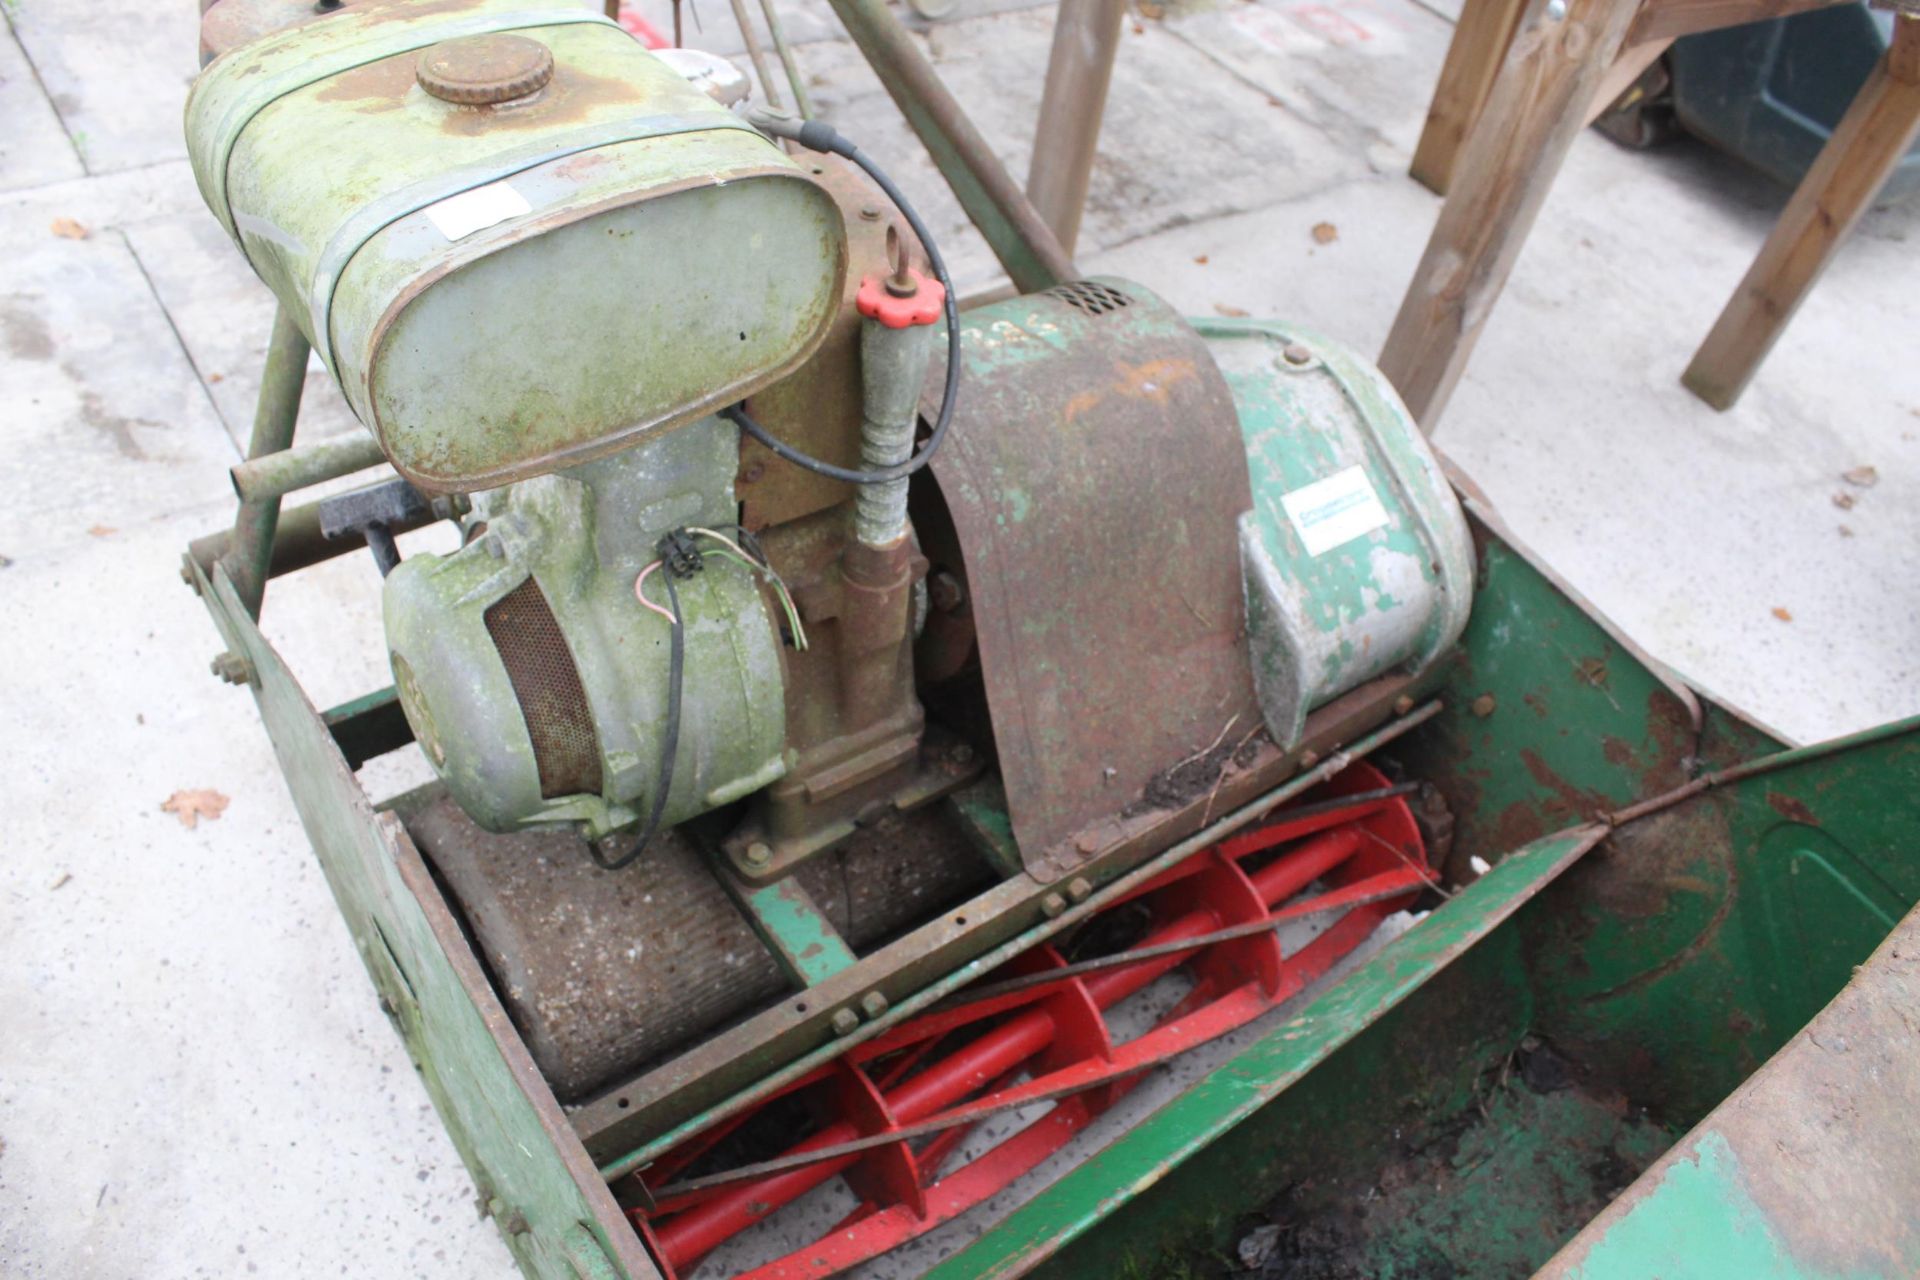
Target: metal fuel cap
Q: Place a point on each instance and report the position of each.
(479, 71)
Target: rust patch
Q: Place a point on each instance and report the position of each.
(581, 166)
(1791, 808)
(1569, 803)
(1536, 704)
(379, 85)
(1675, 742)
(571, 97)
(1519, 823)
(1152, 380)
(1085, 402)
(1616, 751)
(1155, 379)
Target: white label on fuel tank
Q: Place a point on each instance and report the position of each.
(460, 216)
(1334, 511)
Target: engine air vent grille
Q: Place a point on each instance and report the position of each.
(566, 750)
(1090, 296)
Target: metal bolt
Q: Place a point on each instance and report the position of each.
(945, 591)
(1296, 353)
(1556, 10)
(961, 754)
(870, 212)
(845, 1022)
(232, 668)
(759, 854)
(1053, 904)
(1079, 889)
(1402, 705)
(873, 1004)
(516, 1224)
(1309, 758)
(1483, 705)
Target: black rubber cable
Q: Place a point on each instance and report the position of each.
(670, 746)
(818, 136)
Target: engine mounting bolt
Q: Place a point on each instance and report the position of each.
(1079, 889)
(845, 1022)
(1402, 705)
(1297, 353)
(1309, 758)
(945, 591)
(1053, 904)
(873, 1004)
(1483, 705)
(232, 668)
(870, 212)
(759, 854)
(961, 754)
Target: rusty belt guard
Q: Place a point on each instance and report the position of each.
(1095, 471)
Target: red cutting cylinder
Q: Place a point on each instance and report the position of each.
(688, 1236)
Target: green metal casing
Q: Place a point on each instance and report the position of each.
(1355, 558)
(507, 290)
(583, 536)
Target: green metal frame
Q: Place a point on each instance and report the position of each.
(1550, 940)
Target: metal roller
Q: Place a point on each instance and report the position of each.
(603, 973)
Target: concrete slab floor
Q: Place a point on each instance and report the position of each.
(194, 1079)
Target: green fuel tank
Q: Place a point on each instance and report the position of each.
(518, 239)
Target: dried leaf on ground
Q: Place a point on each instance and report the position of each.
(1258, 1245)
(1845, 532)
(191, 806)
(1325, 233)
(101, 531)
(1782, 613)
(68, 229)
(1202, 259)
(1232, 313)
(1843, 500)
(1861, 477)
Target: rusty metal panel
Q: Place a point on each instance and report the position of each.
(1095, 471)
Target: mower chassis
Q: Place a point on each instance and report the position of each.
(1623, 749)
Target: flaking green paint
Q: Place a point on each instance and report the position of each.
(1393, 597)
(670, 260)
(1700, 1223)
